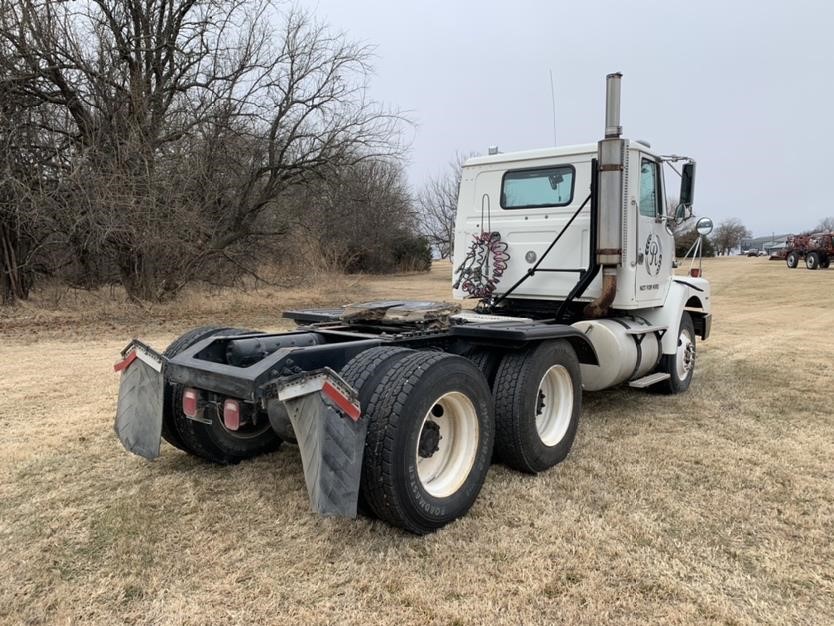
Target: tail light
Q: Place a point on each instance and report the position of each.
(231, 414)
(190, 398)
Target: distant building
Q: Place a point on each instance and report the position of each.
(766, 243)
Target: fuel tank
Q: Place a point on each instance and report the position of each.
(625, 351)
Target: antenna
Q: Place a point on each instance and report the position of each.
(553, 103)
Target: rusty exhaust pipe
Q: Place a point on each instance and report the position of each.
(600, 307)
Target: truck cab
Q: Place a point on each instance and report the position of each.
(528, 197)
(581, 235)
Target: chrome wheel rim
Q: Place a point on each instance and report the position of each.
(685, 357)
(554, 405)
(447, 444)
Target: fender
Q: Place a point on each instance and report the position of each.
(514, 335)
(684, 293)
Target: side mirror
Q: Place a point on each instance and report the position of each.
(682, 213)
(704, 226)
(687, 193)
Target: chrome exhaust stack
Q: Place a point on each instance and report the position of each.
(611, 155)
(613, 129)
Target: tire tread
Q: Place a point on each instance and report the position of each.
(386, 412)
(515, 444)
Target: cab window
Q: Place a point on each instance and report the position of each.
(649, 189)
(536, 188)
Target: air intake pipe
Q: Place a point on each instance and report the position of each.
(611, 153)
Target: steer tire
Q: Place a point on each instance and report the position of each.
(792, 259)
(363, 372)
(526, 439)
(213, 442)
(677, 383)
(812, 261)
(418, 391)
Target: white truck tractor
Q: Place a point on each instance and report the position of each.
(398, 407)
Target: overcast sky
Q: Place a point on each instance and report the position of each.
(746, 88)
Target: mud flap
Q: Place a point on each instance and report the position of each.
(139, 411)
(325, 415)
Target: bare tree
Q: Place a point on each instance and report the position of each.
(729, 235)
(175, 127)
(359, 219)
(826, 224)
(437, 206)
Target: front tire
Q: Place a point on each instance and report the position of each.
(538, 400)
(792, 259)
(429, 442)
(681, 365)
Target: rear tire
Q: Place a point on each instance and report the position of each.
(363, 372)
(487, 361)
(681, 365)
(792, 259)
(169, 429)
(214, 442)
(429, 442)
(538, 400)
(825, 262)
(812, 261)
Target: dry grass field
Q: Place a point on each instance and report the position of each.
(713, 506)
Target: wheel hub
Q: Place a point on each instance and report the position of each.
(686, 355)
(429, 440)
(689, 356)
(554, 405)
(453, 422)
(540, 403)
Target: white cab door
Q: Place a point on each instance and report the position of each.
(655, 246)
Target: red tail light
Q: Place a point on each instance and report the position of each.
(190, 399)
(125, 362)
(350, 408)
(231, 414)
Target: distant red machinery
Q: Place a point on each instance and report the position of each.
(817, 249)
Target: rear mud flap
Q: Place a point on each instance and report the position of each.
(139, 411)
(325, 416)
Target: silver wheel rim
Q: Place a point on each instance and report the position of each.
(447, 444)
(685, 357)
(554, 405)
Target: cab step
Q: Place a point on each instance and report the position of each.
(648, 381)
(645, 330)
